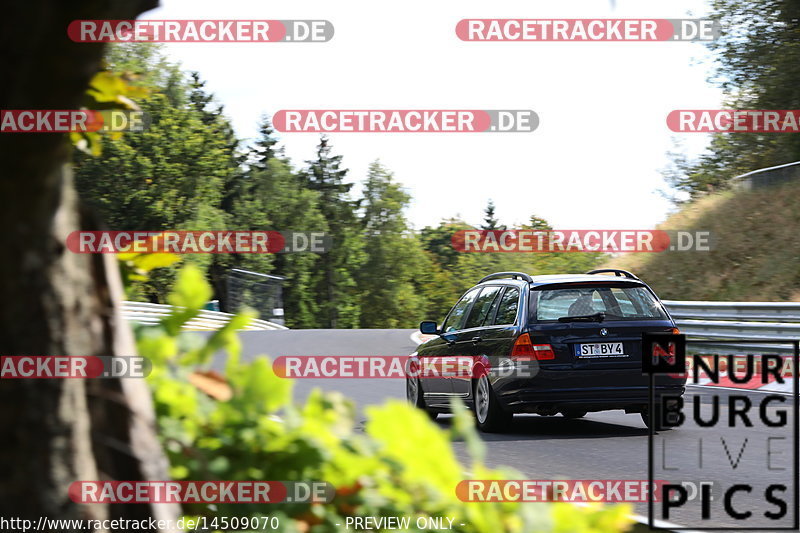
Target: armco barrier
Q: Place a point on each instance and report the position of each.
(767, 177)
(728, 321)
(149, 313)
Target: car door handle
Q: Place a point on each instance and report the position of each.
(476, 340)
(451, 343)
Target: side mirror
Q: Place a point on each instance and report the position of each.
(428, 327)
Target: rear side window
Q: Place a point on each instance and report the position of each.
(507, 310)
(618, 303)
(482, 308)
(626, 305)
(456, 316)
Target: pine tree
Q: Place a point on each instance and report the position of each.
(537, 223)
(335, 287)
(490, 222)
(181, 173)
(390, 279)
(279, 198)
(265, 147)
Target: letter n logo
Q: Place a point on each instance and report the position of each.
(663, 353)
(658, 353)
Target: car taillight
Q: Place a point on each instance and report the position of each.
(543, 352)
(525, 350)
(675, 331)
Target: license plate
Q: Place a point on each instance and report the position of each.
(599, 349)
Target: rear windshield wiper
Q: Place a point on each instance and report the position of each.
(596, 317)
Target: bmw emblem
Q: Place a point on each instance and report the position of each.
(603, 332)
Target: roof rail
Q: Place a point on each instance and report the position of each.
(513, 275)
(615, 271)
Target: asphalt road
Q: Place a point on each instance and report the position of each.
(607, 445)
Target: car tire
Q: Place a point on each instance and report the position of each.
(415, 397)
(654, 420)
(489, 414)
(573, 414)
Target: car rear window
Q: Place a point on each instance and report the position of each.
(618, 303)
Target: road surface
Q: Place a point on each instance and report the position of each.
(607, 445)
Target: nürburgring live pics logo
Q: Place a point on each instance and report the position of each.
(740, 448)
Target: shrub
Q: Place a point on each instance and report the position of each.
(243, 425)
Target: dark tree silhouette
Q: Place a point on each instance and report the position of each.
(55, 302)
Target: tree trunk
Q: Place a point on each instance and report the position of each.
(55, 302)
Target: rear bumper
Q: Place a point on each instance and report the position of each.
(591, 400)
(598, 392)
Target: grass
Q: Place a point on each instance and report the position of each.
(755, 253)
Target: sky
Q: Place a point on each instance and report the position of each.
(594, 162)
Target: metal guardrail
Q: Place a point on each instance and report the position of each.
(149, 313)
(766, 321)
(766, 177)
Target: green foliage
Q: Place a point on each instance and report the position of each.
(335, 286)
(461, 270)
(135, 267)
(273, 196)
(401, 465)
(107, 91)
(438, 241)
(181, 173)
(757, 55)
(490, 221)
(755, 236)
(189, 171)
(389, 280)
